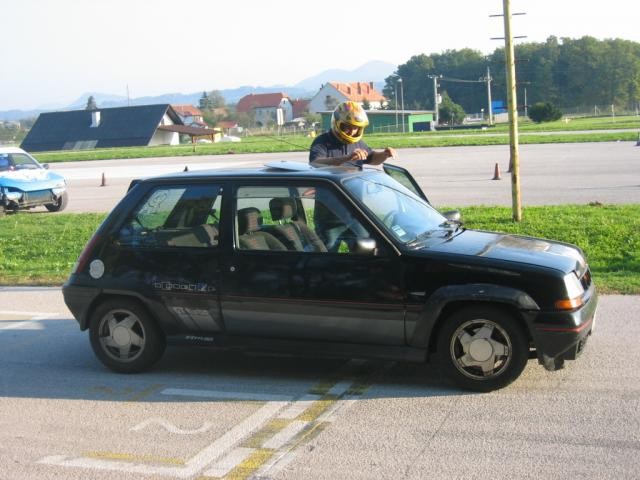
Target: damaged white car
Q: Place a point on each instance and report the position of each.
(25, 183)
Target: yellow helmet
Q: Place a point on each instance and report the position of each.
(346, 117)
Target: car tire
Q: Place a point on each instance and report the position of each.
(482, 348)
(60, 204)
(124, 336)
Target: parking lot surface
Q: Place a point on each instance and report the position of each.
(203, 413)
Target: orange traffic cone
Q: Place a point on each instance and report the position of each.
(496, 173)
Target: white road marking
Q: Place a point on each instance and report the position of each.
(285, 435)
(170, 427)
(340, 388)
(25, 325)
(222, 395)
(200, 461)
(220, 457)
(299, 406)
(229, 462)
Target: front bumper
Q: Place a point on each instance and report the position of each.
(560, 336)
(15, 199)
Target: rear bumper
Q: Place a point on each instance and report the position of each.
(560, 336)
(79, 300)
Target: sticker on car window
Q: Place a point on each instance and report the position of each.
(398, 230)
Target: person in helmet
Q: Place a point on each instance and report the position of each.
(343, 143)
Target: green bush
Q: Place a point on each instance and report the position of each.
(544, 112)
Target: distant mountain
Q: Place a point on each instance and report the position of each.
(101, 100)
(374, 71)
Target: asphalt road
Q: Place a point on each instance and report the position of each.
(208, 414)
(551, 174)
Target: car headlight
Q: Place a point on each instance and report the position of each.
(575, 293)
(13, 196)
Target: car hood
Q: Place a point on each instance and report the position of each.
(510, 248)
(31, 180)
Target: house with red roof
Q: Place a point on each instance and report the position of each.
(265, 107)
(332, 93)
(190, 115)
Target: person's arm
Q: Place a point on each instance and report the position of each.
(377, 158)
(358, 154)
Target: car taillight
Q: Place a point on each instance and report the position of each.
(85, 255)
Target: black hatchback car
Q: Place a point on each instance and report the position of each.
(337, 261)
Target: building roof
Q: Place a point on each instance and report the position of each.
(259, 100)
(227, 124)
(187, 110)
(189, 130)
(300, 107)
(118, 127)
(359, 91)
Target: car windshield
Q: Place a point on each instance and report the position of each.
(404, 215)
(17, 161)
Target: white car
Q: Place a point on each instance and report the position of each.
(230, 138)
(25, 183)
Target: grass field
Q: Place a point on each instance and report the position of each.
(576, 130)
(41, 248)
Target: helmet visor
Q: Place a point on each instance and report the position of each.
(350, 130)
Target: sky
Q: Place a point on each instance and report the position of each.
(54, 51)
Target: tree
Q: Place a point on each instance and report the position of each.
(544, 112)
(450, 112)
(91, 103)
(204, 102)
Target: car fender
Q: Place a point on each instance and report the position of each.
(419, 329)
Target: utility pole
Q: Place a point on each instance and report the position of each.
(514, 160)
(436, 110)
(402, 100)
(490, 110)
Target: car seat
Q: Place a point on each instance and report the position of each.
(250, 237)
(294, 233)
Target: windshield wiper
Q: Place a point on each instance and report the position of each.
(420, 237)
(452, 225)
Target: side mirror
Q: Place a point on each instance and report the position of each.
(453, 216)
(45, 166)
(366, 246)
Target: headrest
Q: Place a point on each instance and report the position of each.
(249, 220)
(282, 208)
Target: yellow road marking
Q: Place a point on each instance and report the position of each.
(317, 408)
(250, 465)
(147, 392)
(269, 430)
(134, 458)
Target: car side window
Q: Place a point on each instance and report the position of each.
(301, 218)
(175, 216)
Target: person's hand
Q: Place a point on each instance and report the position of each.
(358, 154)
(390, 153)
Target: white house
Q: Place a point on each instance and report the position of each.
(332, 93)
(265, 107)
